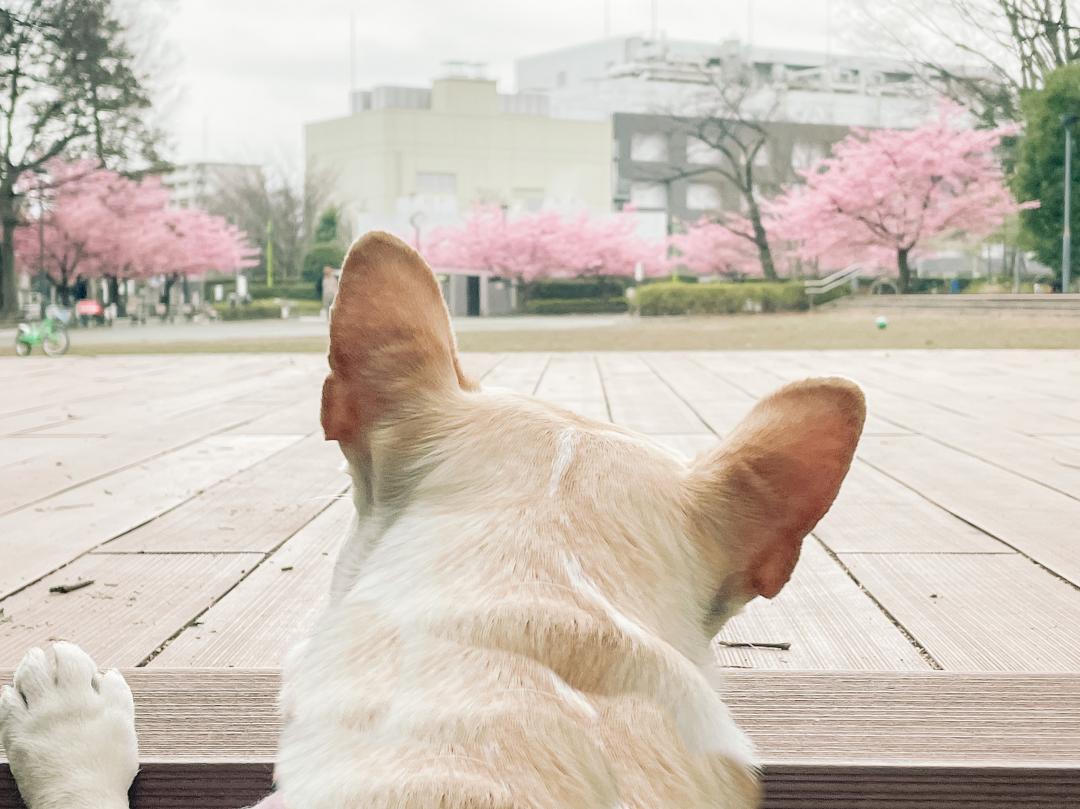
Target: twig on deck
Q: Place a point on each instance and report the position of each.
(733, 644)
(71, 588)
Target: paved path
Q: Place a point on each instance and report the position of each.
(199, 498)
(159, 333)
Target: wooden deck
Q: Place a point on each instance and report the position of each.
(197, 495)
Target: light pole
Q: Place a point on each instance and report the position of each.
(1067, 122)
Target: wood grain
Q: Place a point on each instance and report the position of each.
(869, 740)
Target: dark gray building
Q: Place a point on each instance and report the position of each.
(661, 166)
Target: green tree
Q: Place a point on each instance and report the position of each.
(68, 87)
(327, 228)
(326, 249)
(1040, 168)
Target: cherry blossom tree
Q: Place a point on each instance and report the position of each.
(895, 191)
(100, 224)
(544, 244)
(709, 247)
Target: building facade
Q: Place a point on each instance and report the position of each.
(408, 159)
(196, 185)
(656, 92)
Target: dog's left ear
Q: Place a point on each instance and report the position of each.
(391, 345)
(765, 488)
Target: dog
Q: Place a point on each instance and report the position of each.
(521, 612)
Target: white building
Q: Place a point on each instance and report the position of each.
(661, 76)
(411, 158)
(195, 185)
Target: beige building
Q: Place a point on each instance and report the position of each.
(408, 159)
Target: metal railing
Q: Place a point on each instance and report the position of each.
(815, 287)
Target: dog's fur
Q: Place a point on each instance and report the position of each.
(522, 611)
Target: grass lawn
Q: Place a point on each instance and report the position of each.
(834, 329)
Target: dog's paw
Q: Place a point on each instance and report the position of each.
(69, 731)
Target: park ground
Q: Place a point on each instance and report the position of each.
(829, 329)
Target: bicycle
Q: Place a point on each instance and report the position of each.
(50, 333)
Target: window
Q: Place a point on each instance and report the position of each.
(439, 183)
(528, 199)
(649, 147)
(703, 197)
(804, 155)
(699, 153)
(648, 196)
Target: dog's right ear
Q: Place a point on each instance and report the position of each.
(390, 339)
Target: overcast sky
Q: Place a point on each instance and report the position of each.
(245, 75)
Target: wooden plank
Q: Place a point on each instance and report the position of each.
(520, 373)
(978, 612)
(254, 510)
(144, 440)
(261, 619)
(573, 381)
(875, 514)
(1035, 520)
(477, 365)
(864, 740)
(38, 539)
(689, 446)
(830, 623)
(135, 604)
(643, 402)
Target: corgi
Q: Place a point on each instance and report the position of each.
(521, 612)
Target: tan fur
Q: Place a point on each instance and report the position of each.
(523, 611)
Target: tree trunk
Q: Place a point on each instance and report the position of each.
(166, 296)
(761, 240)
(904, 277)
(9, 286)
(115, 297)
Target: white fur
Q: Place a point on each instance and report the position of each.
(60, 716)
(564, 455)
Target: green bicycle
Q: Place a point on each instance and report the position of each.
(50, 334)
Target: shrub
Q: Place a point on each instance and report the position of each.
(302, 291)
(265, 310)
(719, 298)
(575, 306)
(572, 288)
(321, 254)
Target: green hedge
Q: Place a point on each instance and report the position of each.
(302, 292)
(575, 306)
(719, 298)
(265, 310)
(572, 288)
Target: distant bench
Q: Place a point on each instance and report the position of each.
(828, 740)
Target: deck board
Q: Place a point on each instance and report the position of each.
(966, 453)
(254, 510)
(826, 740)
(829, 622)
(39, 538)
(1033, 519)
(136, 603)
(261, 619)
(977, 612)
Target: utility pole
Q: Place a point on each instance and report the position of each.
(270, 252)
(1067, 121)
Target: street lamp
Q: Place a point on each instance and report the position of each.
(1067, 121)
(416, 220)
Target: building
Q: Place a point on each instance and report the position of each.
(195, 185)
(407, 158)
(656, 92)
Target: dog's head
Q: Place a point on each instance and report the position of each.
(698, 539)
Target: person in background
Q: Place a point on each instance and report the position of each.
(329, 290)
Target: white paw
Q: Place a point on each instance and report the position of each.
(69, 731)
